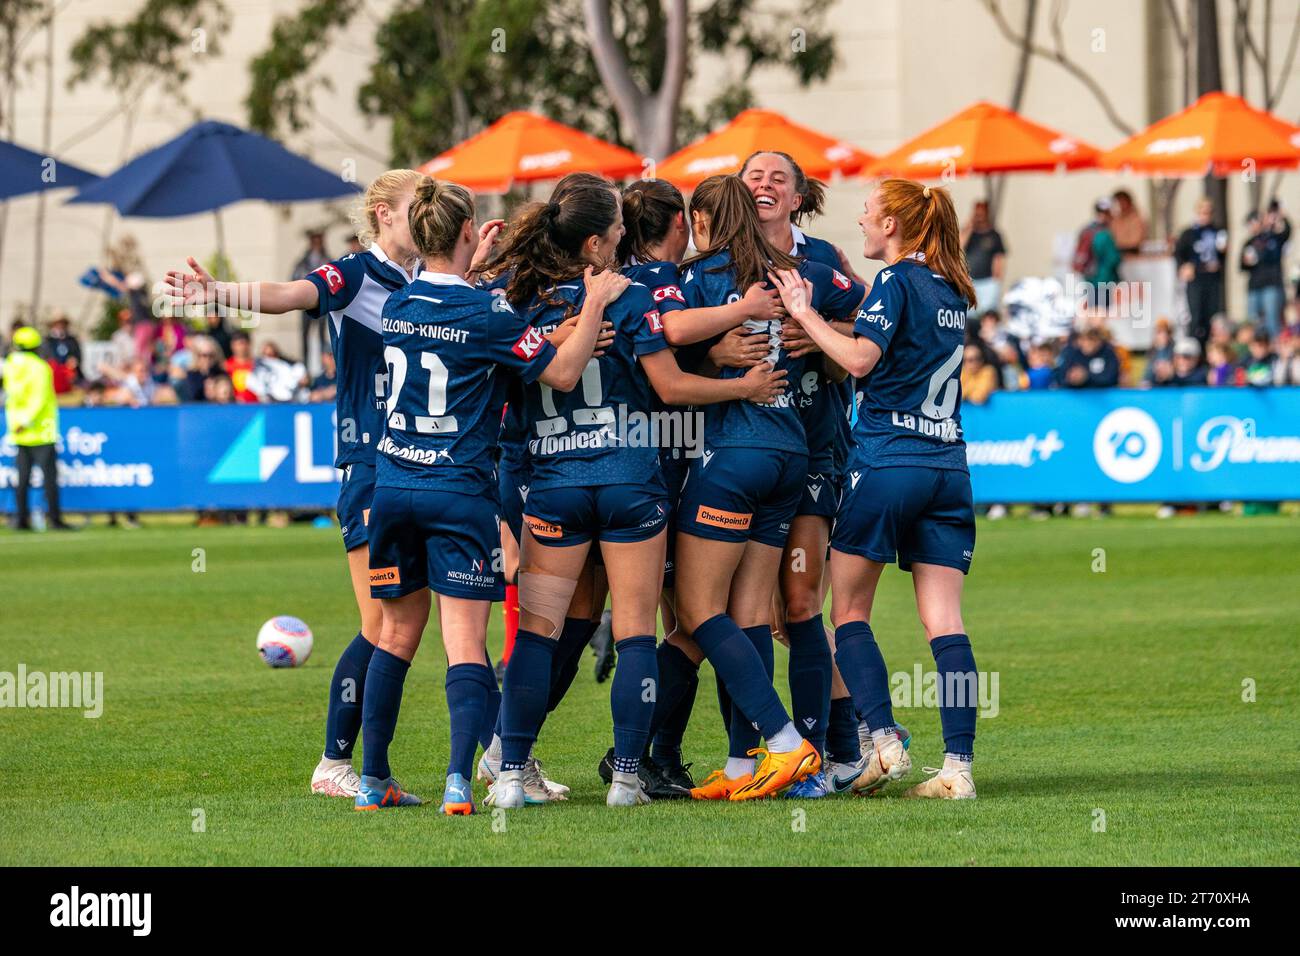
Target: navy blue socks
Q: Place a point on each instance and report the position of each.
(863, 668)
(958, 693)
(467, 703)
(632, 699)
(568, 657)
(382, 700)
(810, 679)
(741, 735)
(842, 733)
(347, 687)
(679, 679)
(492, 714)
(524, 696)
(740, 667)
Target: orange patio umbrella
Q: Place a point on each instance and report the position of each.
(985, 138)
(723, 150)
(1219, 133)
(523, 147)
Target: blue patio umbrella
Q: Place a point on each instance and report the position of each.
(209, 166)
(24, 171)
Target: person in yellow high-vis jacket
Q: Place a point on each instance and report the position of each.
(32, 423)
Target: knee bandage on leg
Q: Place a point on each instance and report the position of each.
(546, 596)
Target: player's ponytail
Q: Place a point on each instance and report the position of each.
(437, 216)
(543, 244)
(927, 223)
(649, 207)
(734, 227)
(387, 188)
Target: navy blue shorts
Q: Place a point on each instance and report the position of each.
(915, 515)
(441, 540)
(512, 486)
(622, 513)
(355, 492)
(821, 495)
(743, 494)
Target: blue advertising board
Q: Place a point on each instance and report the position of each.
(1170, 444)
(1201, 444)
(183, 457)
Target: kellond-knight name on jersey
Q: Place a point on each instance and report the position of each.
(444, 333)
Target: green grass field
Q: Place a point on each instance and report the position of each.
(1121, 693)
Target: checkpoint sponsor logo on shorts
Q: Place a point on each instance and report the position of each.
(382, 576)
(732, 520)
(543, 529)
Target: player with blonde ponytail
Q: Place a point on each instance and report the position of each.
(908, 493)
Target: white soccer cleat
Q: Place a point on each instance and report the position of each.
(889, 761)
(335, 778)
(946, 784)
(508, 792)
(488, 769)
(840, 776)
(557, 791)
(626, 791)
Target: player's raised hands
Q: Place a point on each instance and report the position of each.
(196, 287)
(762, 304)
(796, 292)
(604, 287)
(604, 338)
(488, 234)
(763, 384)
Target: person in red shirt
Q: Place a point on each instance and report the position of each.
(239, 365)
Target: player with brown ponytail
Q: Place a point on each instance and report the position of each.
(908, 496)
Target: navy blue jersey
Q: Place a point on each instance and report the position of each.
(514, 430)
(664, 281)
(909, 407)
(742, 424)
(576, 438)
(814, 249)
(444, 342)
(839, 395)
(823, 404)
(352, 292)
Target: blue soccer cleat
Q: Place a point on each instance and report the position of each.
(457, 798)
(377, 794)
(811, 787)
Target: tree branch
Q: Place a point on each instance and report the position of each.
(1058, 57)
(612, 65)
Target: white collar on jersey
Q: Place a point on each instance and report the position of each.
(377, 251)
(919, 256)
(442, 278)
(797, 238)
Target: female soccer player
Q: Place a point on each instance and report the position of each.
(739, 500)
(594, 476)
(784, 196)
(908, 495)
(351, 291)
(655, 239)
(434, 518)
